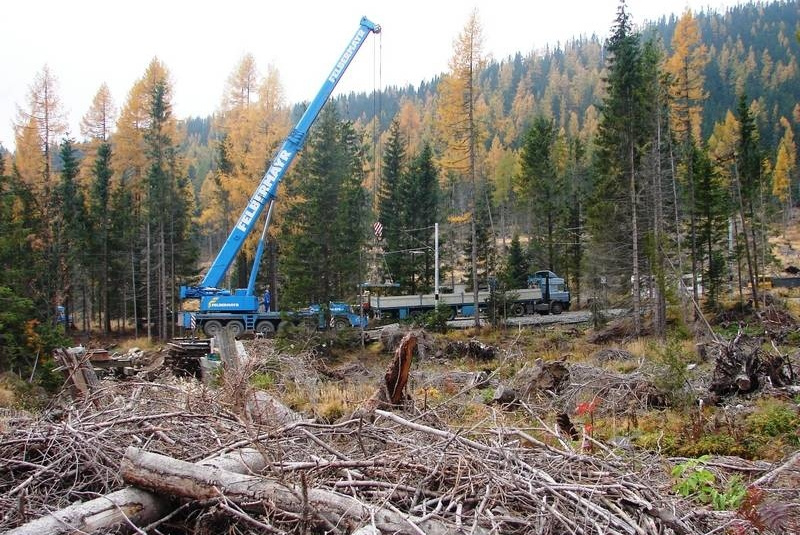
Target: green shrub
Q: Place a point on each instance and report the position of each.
(435, 320)
(673, 375)
(693, 480)
(262, 380)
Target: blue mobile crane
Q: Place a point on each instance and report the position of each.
(238, 309)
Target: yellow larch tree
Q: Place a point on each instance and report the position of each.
(686, 89)
(501, 166)
(460, 125)
(410, 120)
(129, 158)
(46, 117)
(722, 146)
(685, 66)
(29, 159)
(785, 165)
(522, 108)
(96, 126)
(253, 120)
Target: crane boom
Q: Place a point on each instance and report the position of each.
(267, 188)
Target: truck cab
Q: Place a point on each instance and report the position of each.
(555, 294)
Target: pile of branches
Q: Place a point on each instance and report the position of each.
(177, 457)
(611, 392)
(72, 451)
(393, 472)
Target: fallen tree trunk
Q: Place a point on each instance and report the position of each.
(127, 506)
(173, 477)
(132, 506)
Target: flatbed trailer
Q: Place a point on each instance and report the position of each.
(523, 301)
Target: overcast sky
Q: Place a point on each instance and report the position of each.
(88, 42)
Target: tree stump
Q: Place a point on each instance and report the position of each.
(392, 392)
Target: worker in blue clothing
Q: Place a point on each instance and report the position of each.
(266, 299)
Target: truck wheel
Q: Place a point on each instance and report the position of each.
(556, 307)
(265, 328)
(452, 314)
(212, 328)
(517, 309)
(235, 326)
(340, 323)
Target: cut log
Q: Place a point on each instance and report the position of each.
(743, 382)
(173, 477)
(100, 515)
(243, 461)
(262, 407)
(565, 425)
(504, 395)
(742, 367)
(397, 374)
(130, 506)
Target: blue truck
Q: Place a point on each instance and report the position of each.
(238, 309)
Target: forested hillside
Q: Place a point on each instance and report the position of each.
(751, 48)
(620, 163)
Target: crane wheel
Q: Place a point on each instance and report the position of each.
(235, 326)
(212, 328)
(265, 328)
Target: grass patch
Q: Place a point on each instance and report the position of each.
(336, 400)
(262, 380)
(770, 431)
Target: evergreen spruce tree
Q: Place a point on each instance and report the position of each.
(655, 187)
(28, 332)
(351, 222)
(324, 226)
(577, 178)
(712, 220)
(484, 243)
(125, 254)
(100, 225)
(71, 240)
(157, 187)
(623, 132)
(542, 188)
(169, 251)
(516, 270)
(16, 256)
(748, 183)
(419, 205)
(390, 203)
